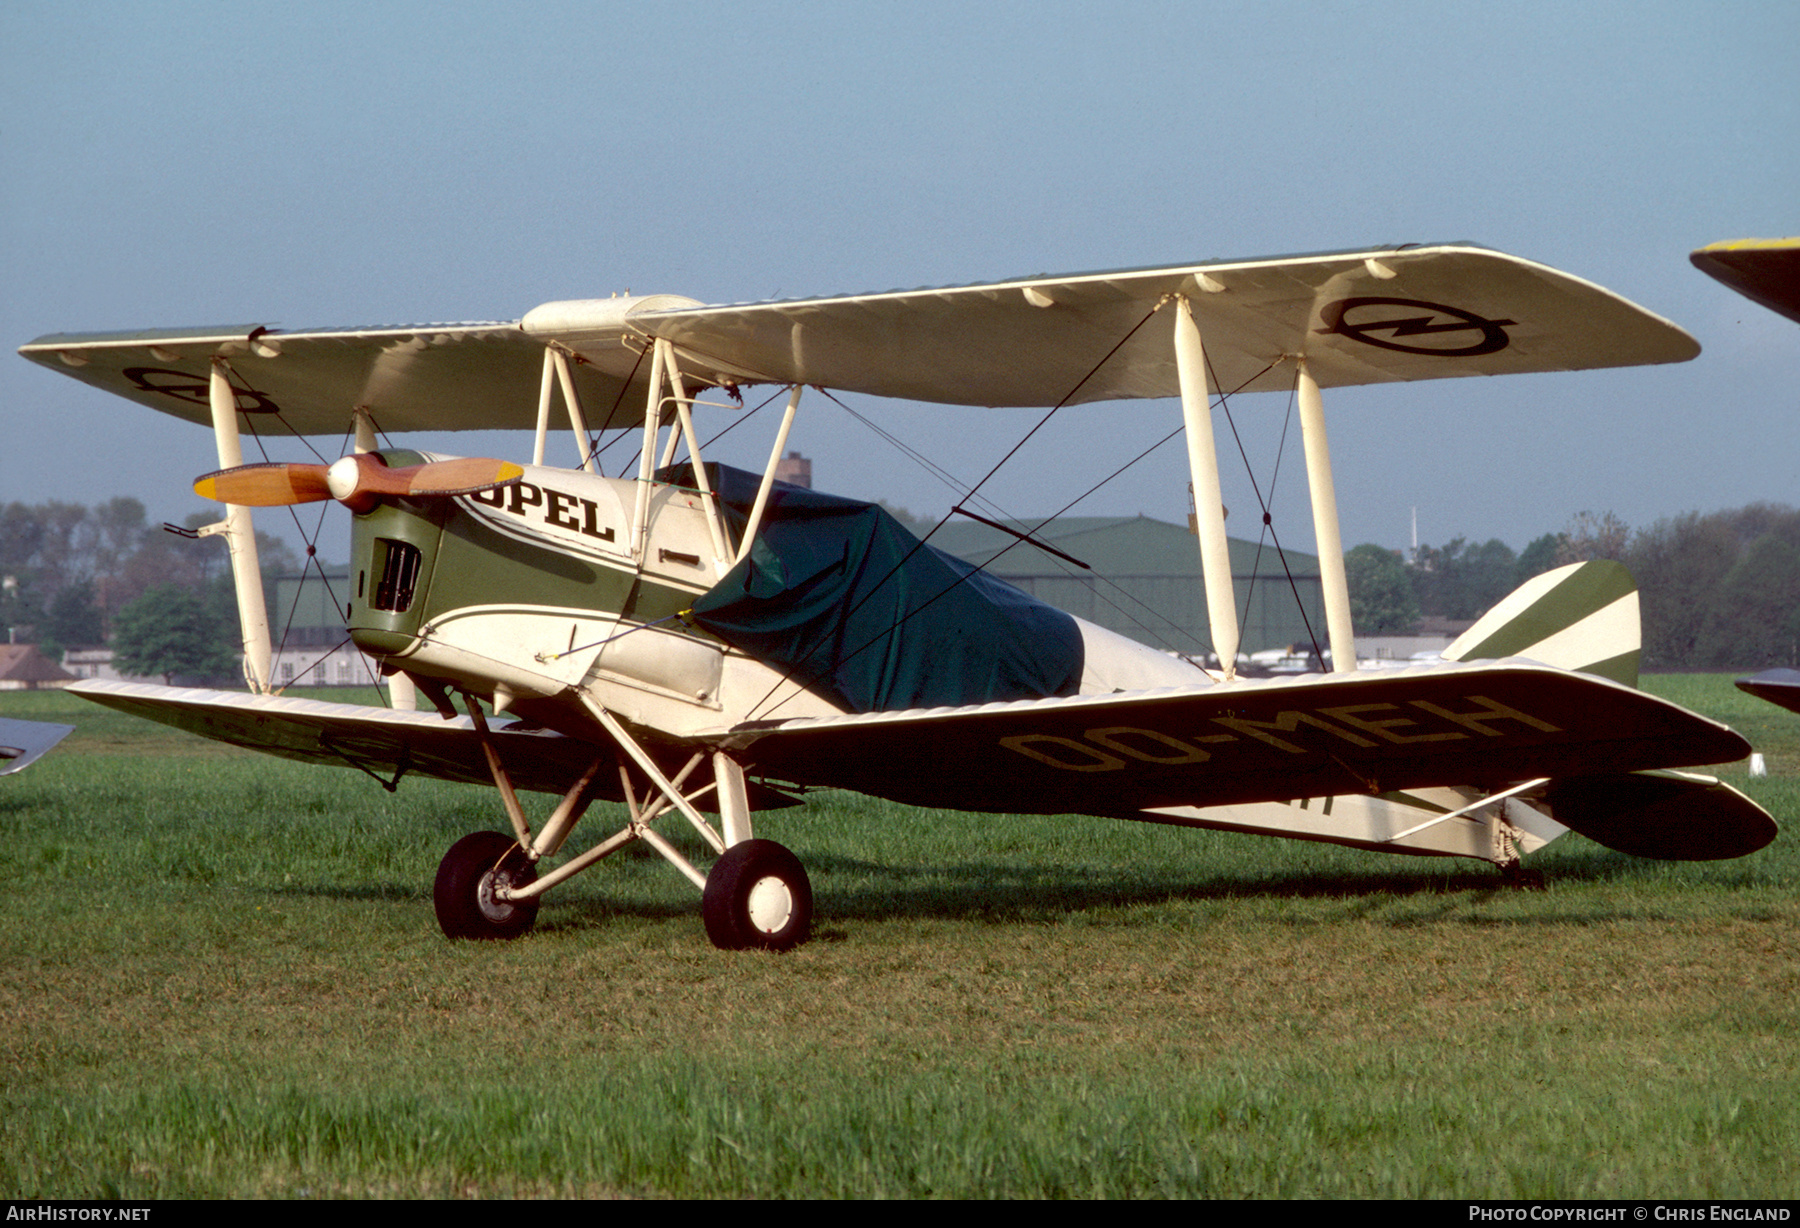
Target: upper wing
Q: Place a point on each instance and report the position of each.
(1765, 270)
(441, 377)
(1481, 725)
(1358, 317)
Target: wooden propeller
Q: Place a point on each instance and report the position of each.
(358, 481)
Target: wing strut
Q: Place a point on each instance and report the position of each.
(584, 443)
(768, 477)
(1477, 804)
(557, 374)
(640, 512)
(240, 536)
(1323, 494)
(684, 420)
(663, 368)
(1209, 503)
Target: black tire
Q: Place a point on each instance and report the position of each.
(466, 878)
(757, 898)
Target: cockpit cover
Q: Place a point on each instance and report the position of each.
(839, 596)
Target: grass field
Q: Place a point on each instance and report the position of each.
(220, 976)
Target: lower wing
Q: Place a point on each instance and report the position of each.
(1191, 755)
(380, 741)
(23, 742)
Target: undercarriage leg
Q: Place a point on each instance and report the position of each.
(1506, 851)
(734, 799)
(502, 781)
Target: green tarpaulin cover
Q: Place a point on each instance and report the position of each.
(836, 594)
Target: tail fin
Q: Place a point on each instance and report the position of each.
(1581, 617)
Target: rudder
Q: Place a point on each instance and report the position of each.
(1582, 617)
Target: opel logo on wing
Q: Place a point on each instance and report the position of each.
(196, 389)
(1415, 327)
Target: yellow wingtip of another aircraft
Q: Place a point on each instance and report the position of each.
(1765, 271)
(1750, 245)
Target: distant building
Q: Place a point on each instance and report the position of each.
(795, 470)
(86, 663)
(310, 646)
(24, 668)
(1430, 636)
(1145, 580)
(306, 630)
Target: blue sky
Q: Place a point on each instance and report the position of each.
(336, 164)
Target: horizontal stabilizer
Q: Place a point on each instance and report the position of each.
(1674, 816)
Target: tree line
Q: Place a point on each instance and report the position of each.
(74, 576)
(1715, 591)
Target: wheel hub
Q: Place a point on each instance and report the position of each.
(770, 905)
(493, 908)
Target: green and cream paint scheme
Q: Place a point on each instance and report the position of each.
(565, 600)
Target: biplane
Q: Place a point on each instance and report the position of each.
(1765, 271)
(703, 644)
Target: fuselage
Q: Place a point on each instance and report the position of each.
(532, 592)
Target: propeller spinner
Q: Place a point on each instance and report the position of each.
(358, 481)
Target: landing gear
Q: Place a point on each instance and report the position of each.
(757, 896)
(1506, 852)
(466, 880)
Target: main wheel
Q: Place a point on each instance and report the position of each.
(466, 879)
(757, 896)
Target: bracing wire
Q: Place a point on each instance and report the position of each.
(1123, 593)
(1268, 520)
(787, 675)
(312, 563)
